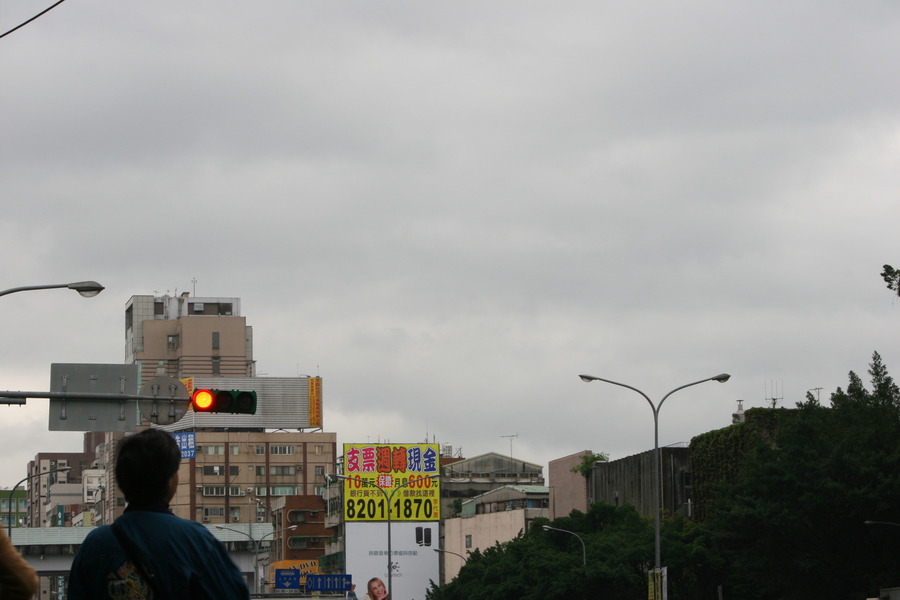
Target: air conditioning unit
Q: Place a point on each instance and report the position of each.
(242, 494)
(235, 519)
(260, 519)
(199, 488)
(299, 467)
(206, 519)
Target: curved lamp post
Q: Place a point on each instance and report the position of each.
(88, 289)
(388, 497)
(13, 491)
(256, 543)
(583, 549)
(722, 378)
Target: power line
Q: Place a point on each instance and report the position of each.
(32, 19)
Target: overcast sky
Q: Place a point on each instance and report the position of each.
(449, 210)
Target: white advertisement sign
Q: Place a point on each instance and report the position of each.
(414, 563)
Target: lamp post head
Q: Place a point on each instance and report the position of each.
(88, 289)
(722, 378)
(587, 378)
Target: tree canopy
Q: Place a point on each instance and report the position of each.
(786, 494)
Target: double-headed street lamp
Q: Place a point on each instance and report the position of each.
(388, 497)
(13, 491)
(256, 543)
(722, 378)
(583, 548)
(88, 289)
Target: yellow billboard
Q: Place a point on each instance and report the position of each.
(392, 480)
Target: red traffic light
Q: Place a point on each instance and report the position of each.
(203, 400)
(227, 401)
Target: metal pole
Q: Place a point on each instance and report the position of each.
(722, 378)
(13, 491)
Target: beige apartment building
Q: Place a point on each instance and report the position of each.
(182, 336)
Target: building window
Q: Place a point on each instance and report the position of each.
(468, 541)
(234, 470)
(211, 450)
(320, 449)
(260, 470)
(281, 449)
(215, 366)
(297, 543)
(234, 490)
(260, 449)
(320, 490)
(234, 449)
(215, 340)
(296, 516)
(283, 470)
(173, 342)
(235, 513)
(320, 469)
(213, 490)
(214, 511)
(214, 470)
(261, 490)
(284, 490)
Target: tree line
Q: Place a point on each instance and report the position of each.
(783, 500)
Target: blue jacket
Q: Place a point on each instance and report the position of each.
(182, 556)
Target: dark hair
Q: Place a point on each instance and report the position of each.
(145, 462)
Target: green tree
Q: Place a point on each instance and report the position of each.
(548, 565)
(792, 526)
(587, 463)
(891, 277)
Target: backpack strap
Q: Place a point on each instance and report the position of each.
(131, 553)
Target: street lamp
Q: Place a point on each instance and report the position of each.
(88, 289)
(888, 523)
(583, 549)
(451, 552)
(256, 542)
(13, 491)
(722, 378)
(388, 497)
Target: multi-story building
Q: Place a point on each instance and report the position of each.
(498, 515)
(183, 336)
(44, 472)
(14, 509)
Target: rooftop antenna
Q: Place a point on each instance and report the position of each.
(774, 398)
(816, 390)
(194, 281)
(514, 435)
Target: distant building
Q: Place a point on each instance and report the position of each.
(568, 490)
(183, 336)
(629, 480)
(15, 509)
(467, 478)
(498, 515)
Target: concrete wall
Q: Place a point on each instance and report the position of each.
(568, 490)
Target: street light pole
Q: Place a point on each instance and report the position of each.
(88, 289)
(388, 497)
(13, 491)
(721, 378)
(583, 549)
(256, 543)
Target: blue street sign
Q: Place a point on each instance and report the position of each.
(287, 579)
(329, 583)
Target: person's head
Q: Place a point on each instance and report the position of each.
(376, 589)
(146, 463)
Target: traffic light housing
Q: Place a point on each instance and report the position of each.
(224, 401)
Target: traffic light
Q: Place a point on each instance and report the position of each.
(228, 401)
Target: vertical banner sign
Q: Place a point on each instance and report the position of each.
(395, 472)
(315, 401)
(187, 444)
